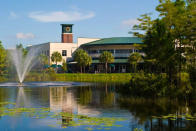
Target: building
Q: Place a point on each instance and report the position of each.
(120, 47)
(66, 47)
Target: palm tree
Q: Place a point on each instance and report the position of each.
(82, 58)
(87, 60)
(64, 66)
(134, 59)
(56, 57)
(43, 59)
(106, 57)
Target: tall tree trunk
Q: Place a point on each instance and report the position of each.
(170, 75)
(80, 69)
(136, 68)
(43, 72)
(56, 67)
(106, 67)
(84, 69)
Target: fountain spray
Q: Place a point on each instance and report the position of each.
(23, 64)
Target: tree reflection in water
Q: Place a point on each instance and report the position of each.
(106, 99)
(160, 114)
(101, 96)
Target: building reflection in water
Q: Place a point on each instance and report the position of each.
(62, 100)
(81, 101)
(105, 100)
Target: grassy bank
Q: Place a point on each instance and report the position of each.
(3, 78)
(102, 77)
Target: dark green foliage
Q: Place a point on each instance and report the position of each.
(82, 58)
(106, 58)
(153, 85)
(150, 85)
(170, 42)
(64, 66)
(56, 57)
(160, 47)
(3, 60)
(134, 59)
(192, 72)
(146, 23)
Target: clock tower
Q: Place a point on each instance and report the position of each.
(67, 35)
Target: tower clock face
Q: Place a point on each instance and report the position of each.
(68, 29)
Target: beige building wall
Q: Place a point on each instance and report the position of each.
(69, 47)
(51, 47)
(86, 40)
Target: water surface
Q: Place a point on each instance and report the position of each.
(90, 107)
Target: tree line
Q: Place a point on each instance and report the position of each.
(170, 39)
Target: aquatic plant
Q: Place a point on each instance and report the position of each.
(174, 117)
(68, 119)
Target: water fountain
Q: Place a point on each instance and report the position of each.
(24, 63)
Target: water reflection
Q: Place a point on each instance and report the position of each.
(62, 100)
(159, 114)
(21, 100)
(101, 96)
(106, 100)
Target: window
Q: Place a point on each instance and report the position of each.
(93, 51)
(136, 50)
(131, 51)
(122, 51)
(111, 51)
(64, 52)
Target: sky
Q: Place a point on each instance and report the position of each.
(33, 22)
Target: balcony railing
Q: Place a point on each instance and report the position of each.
(96, 55)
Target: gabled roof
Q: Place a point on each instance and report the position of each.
(115, 41)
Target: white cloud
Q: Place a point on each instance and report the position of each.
(60, 16)
(25, 36)
(130, 22)
(13, 15)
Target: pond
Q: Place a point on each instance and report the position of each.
(92, 106)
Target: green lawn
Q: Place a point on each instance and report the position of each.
(101, 77)
(117, 77)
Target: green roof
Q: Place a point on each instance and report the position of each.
(115, 61)
(115, 41)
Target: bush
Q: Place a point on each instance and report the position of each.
(149, 84)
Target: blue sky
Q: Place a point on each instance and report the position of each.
(38, 21)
